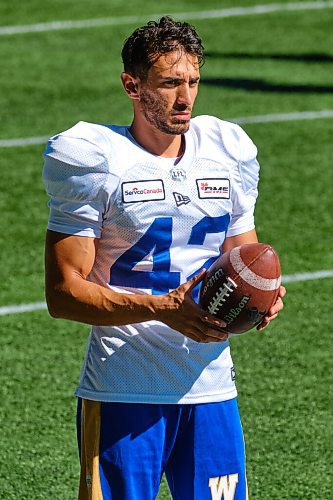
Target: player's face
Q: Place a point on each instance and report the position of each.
(167, 96)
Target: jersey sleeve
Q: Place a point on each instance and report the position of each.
(245, 180)
(77, 179)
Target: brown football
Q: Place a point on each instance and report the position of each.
(242, 285)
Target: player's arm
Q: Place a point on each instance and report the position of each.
(251, 237)
(68, 262)
(246, 179)
(240, 239)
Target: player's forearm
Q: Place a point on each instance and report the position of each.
(80, 300)
(87, 302)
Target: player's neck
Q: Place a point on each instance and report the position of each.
(157, 142)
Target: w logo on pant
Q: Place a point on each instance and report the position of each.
(223, 487)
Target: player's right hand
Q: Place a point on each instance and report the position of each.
(179, 311)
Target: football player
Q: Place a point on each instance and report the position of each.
(137, 213)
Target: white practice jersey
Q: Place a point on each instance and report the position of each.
(159, 222)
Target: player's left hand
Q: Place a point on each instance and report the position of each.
(274, 310)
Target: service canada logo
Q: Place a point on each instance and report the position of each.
(148, 190)
(135, 191)
(213, 188)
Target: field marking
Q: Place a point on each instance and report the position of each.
(288, 278)
(283, 117)
(294, 278)
(280, 117)
(25, 141)
(21, 308)
(205, 14)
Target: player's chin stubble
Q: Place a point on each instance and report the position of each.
(154, 110)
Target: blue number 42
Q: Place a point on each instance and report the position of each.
(157, 242)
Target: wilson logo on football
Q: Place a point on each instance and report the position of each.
(213, 188)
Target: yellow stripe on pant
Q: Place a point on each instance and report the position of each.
(90, 485)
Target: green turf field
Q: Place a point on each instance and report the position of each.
(264, 64)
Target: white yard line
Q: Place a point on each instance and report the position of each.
(21, 308)
(316, 275)
(205, 14)
(280, 117)
(283, 117)
(288, 278)
(25, 141)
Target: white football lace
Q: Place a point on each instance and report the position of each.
(220, 297)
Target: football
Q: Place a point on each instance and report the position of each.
(242, 285)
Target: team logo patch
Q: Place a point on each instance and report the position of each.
(181, 199)
(214, 188)
(178, 174)
(150, 190)
(223, 487)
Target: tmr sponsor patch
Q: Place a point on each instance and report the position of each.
(149, 190)
(213, 188)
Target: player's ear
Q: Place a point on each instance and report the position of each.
(131, 86)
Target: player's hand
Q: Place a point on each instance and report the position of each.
(274, 310)
(180, 312)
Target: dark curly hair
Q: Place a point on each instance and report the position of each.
(146, 44)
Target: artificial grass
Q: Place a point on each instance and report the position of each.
(255, 65)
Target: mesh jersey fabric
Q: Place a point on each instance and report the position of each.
(158, 225)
